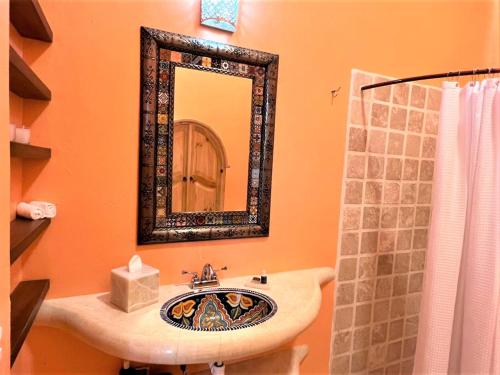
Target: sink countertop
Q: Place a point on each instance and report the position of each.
(143, 336)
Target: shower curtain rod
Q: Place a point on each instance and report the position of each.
(433, 76)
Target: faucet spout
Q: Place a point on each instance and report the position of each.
(208, 277)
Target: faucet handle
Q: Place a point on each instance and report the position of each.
(221, 269)
(195, 274)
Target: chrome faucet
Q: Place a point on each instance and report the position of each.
(208, 277)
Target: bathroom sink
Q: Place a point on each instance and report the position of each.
(218, 309)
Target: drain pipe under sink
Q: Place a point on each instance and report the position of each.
(217, 368)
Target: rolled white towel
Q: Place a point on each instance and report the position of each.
(29, 211)
(48, 209)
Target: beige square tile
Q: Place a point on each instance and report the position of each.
(416, 281)
(363, 314)
(396, 329)
(391, 192)
(367, 267)
(398, 307)
(342, 342)
(411, 326)
(380, 115)
(402, 263)
(382, 93)
(369, 241)
(365, 289)
(393, 170)
(357, 139)
(422, 216)
(371, 217)
(417, 260)
(395, 144)
(359, 361)
(353, 192)
(351, 218)
(424, 193)
(393, 369)
(345, 294)
(407, 367)
(347, 269)
(379, 333)
(434, 99)
(398, 118)
(413, 304)
(383, 287)
(429, 147)
(412, 145)
(401, 94)
(343, 318)
(376, 356)
(381, 311)
(377, 141)
(349, 244)
(359, 80)
(361, 338)
(410, 171)
(406, 217)
(360, 112)
(394, 351)
(431, 122)
(389, 217)
(410, 346)
(379, 371)
(384, 264)
(356, 166)
(426, 170)
(375, 168)
(373, 192)
(418, 94)
(409, 193)
(340, 365)
(420, 238)
(403, 241)
(387, 241)
(400, 285)
(416, 121)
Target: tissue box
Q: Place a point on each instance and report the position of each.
(133, 290)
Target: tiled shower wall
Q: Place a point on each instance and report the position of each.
(386, 205)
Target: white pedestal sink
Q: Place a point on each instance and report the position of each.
(294, 300)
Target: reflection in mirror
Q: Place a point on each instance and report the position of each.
(212, 115)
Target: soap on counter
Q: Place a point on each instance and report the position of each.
(131, 291)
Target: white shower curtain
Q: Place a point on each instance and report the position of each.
(459, 330)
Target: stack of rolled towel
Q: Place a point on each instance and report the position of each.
(36, 210)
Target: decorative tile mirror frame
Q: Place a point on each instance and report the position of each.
(161, 52)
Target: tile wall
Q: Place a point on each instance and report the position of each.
(386, 205)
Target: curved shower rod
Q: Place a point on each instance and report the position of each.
(458, 73)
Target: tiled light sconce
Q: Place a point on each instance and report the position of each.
(221, 14)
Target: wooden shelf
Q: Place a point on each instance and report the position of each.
(22, 233)
(25, 301)
(23, 81)
(28, 19)
(21, 150)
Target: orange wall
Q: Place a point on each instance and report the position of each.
(4, 191)
(92, 125)
(226, 109)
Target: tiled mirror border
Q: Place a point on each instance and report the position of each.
(385, 213)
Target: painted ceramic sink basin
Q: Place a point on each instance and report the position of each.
(219, 309)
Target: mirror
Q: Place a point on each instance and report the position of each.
(212, 115)
(206, 139)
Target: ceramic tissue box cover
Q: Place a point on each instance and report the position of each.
(133, 290)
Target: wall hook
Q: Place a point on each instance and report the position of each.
(336, 92)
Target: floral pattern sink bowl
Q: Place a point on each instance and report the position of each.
(219, 309)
